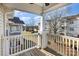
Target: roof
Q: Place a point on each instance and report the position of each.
(16, 20)
(72, 16)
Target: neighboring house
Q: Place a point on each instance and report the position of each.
(15, 26)
(70, 26)
(73, 25)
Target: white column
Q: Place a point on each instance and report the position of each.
(43, 32)
(1, 29)
(40, 34)
(7, 47)
(6, 40)
(44, 40)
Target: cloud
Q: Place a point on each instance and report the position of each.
(25, 19)
(28, 18)
(37, 17)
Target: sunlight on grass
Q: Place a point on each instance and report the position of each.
(26, 33)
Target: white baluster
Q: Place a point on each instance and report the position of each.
(21, 38)
(77, 48)
(30, 40)
(63, 45)
(34, 37)
(73, 47)
(28, 43)
(55, 42)
(66, 46)
(11, 45)
(15, 45)
(69, 47)
(58, 43)
(19, 42)
(25, 43)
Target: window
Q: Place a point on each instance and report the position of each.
(71, 29)
(14, 28)
(71, 22)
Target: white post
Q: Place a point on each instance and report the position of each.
(40, 34)
(39, 41)
(44, 34)
(7, 47)
(1, 29)
(6, 40)
(42, 38)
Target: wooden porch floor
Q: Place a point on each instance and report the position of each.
(52, 51)
(32, 52)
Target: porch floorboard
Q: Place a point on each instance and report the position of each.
(32, 52)
(52, 51)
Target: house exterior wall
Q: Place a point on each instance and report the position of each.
(3, 26)
(73, 27)
(1, 22)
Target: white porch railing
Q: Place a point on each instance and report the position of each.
(14, 45)
(64, 45)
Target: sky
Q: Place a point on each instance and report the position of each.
(73, 9)
(33, 19)
(28, 18)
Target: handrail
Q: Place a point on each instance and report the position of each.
(15, 44)
(65, 45)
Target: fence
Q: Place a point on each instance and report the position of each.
(64, 45)
(13, 45)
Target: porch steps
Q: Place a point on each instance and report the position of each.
(52, 51)
(32, 52)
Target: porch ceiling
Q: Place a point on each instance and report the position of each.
(35, 7)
